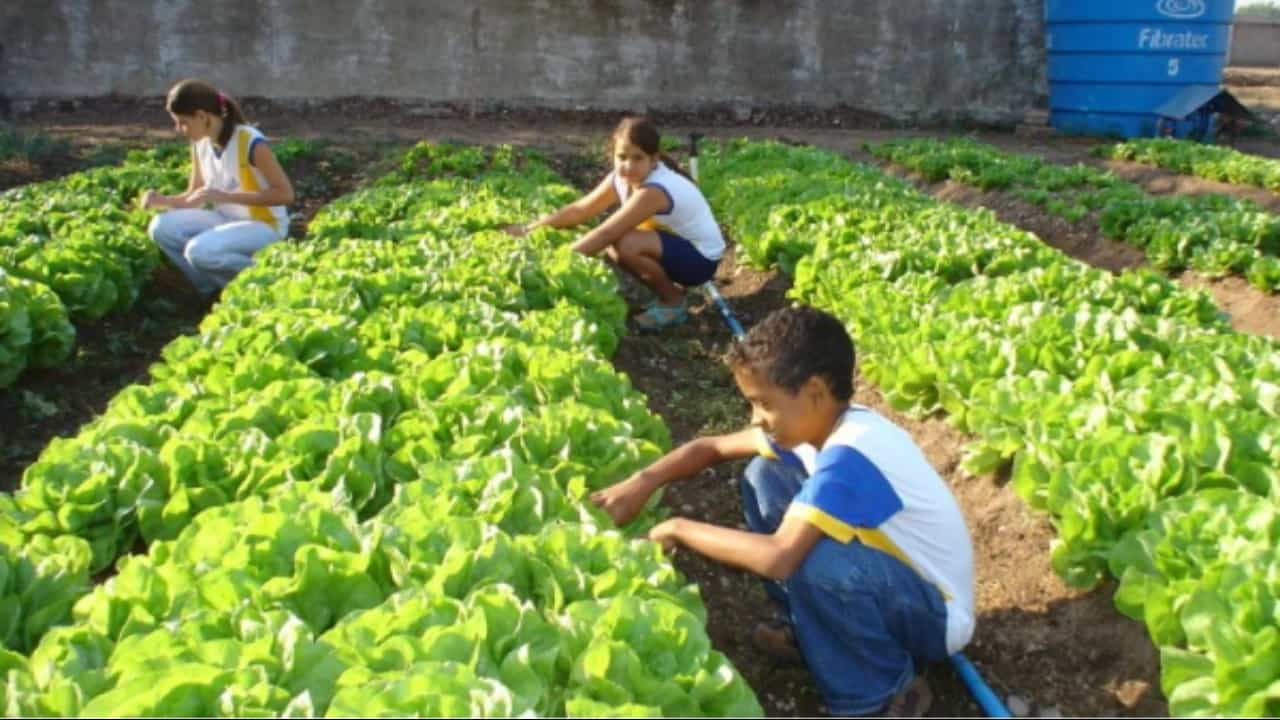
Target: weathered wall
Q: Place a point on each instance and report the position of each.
(1255, 41)
(918, 59)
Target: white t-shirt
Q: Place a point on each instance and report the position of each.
(872, 482)
(688, 216)
(232, 170)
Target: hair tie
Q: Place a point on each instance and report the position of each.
(222, 102)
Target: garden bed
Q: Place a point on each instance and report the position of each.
(1057, 648)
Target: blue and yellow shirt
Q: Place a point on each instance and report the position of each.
(871, 482)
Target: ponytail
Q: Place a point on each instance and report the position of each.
(671, 163)
(188, 96)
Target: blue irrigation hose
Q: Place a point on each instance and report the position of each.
(735, 327)
(713, 292)
(981, 691)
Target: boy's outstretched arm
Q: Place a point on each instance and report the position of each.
(773, 556)
(624, 500)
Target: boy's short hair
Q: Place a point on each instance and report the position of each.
(794, 344)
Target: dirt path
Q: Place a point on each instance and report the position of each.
(1259, 89)
(27, 157)
(1158, 181)
(110, 354)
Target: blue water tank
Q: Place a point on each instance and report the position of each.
(1113, 62)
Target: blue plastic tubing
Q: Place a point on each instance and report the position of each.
(726, 312)
(981, 691)
(735, 327)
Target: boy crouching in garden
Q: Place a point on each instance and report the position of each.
(858, 538)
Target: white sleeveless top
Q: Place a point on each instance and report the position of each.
(231, 170)
(689, 215)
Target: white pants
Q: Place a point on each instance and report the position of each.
(208, 247)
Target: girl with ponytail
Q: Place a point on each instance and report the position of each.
(235, 200)
(664, 233)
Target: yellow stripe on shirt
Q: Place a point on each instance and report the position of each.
(837, 529)
(249, 182)
(843, 532)
(654, 225)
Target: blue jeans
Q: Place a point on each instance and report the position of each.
(209, 248)
(865, 622)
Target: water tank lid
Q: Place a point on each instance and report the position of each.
(1194, 97)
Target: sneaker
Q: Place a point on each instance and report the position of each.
(777, 639)
(913, 702)
(657, 317)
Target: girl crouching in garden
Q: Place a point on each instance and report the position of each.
(234, 202)
(664, 232)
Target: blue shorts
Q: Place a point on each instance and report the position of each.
(683, 263)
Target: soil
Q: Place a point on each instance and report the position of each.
(1239, 76)
(1057, 648)
(15, 171)
(110, 354)
(56, 159)
(1154, 180)
(1159, 181)
(334, 170)
(1258, 88)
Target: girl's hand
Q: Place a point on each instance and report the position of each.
(150, 200)
(516, 230)
(665, 534)
(204, 195)
(623, 501)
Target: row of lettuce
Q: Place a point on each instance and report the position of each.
(1213, 234)
(362, 489)
(76, 248)
(72, 250)
(1211, 162)
(1147, 430)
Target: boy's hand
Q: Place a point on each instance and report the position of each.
(150, 200)
(624, 500)
(665, 532)
(516, 230)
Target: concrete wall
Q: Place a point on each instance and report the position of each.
(1255, 41)
(917, 59)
